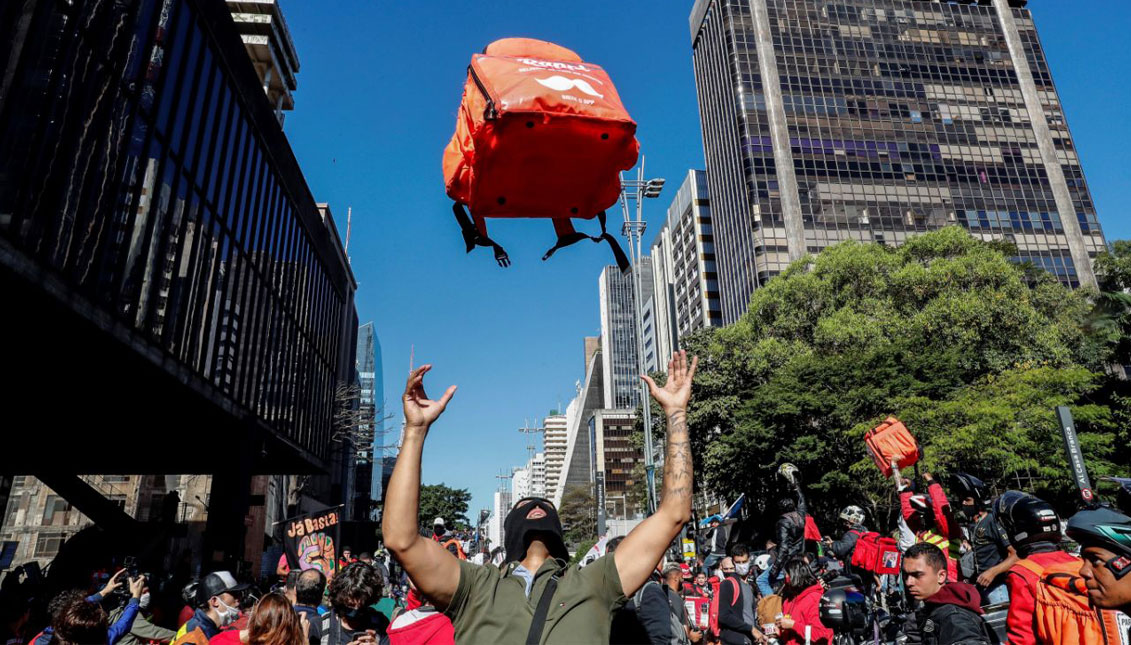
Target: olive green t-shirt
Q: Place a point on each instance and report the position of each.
(490, 606)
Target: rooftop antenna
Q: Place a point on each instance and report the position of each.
(531, 431)
(502, 477)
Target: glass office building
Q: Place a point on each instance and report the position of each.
(829, 120)
(144, 173)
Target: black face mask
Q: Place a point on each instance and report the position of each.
(519, 530)
(437, 529)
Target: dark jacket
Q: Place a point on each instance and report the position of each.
(653, 612)
(733, 628)
(844, 547)
(790, 535)
(953, 616)
(315, 620)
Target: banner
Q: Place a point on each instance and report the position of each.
(311, 541)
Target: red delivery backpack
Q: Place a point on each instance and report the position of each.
(540, 133)
(890, 441)
(876, 554)
(713, 611)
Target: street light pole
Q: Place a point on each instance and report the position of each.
(633, 229)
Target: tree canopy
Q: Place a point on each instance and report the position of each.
(969, 349)
(438, 500)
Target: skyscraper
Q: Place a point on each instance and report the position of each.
(877, 119)
(685, 295)
(618, 333)
(371, 401)
(556, 439)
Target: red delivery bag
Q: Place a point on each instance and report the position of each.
(876, 554)
(887, 557)
(542, 134)
(890, 441)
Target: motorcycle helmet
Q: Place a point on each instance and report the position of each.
(852, 515)
(1108, 529)
(844, 610)
(1026, 518)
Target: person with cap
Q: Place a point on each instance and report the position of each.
(1104, 535)
(1033, 530)
(217, 602)
(536, 596)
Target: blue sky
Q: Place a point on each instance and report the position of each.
(379, 86)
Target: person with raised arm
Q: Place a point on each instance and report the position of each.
(535, 596)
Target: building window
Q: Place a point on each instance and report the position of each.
(47, 544)
(55, 511)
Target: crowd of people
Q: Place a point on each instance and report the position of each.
(936, 577)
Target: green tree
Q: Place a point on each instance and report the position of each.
(438, 500)
(944, 332)
(578, 513)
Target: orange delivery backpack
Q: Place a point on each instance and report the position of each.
(890, 441)
(541, 134)
(1063, 612)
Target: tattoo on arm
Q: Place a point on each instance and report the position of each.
(677, 464)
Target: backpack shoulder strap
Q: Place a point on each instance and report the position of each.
(1029, 565)
(737, 590)
(539, 621)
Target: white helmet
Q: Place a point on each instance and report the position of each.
(762, 562)
(853, 514)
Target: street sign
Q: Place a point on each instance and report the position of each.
(1075, 456)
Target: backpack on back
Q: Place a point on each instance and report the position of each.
(713, 612)
(1063, 613)
(540, 133)
(876, 554)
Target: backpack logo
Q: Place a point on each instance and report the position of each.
(561, 84)
(554, 65)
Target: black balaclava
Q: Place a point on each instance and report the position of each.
(517, 530)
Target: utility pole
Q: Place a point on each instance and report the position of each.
(638, 190)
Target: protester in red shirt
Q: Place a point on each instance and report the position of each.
(801, 609)
(1033, 529)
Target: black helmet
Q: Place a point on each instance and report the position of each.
(844, 610)
(1026, 518)
(963, 485)
(1105, 528)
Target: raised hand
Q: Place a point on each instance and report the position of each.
(677, 391)
(137, 586)
(419, 410)
(113, 583)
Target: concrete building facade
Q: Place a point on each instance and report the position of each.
(685, 295)
(873, 120)
(620, 365)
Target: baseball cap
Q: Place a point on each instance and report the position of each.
(438, 520)
(216, 583)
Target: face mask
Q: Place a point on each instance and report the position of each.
(742, 569)
(516, 528)
(143, 602)
(228, 615)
